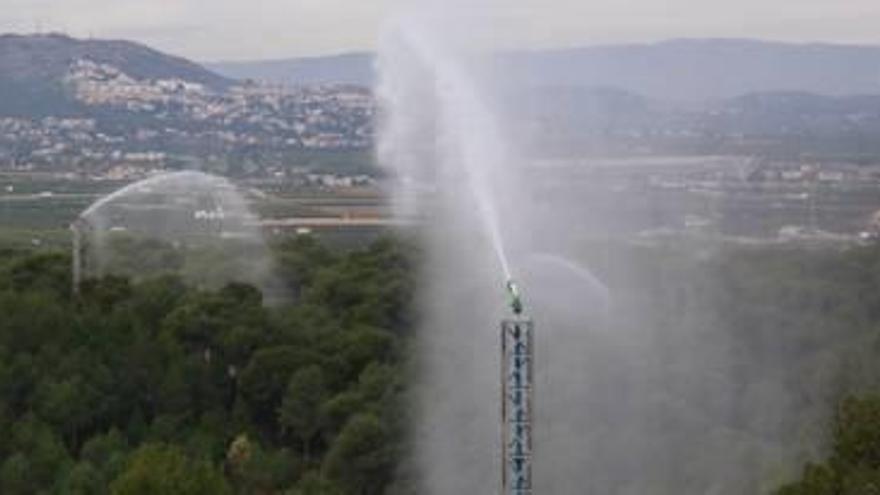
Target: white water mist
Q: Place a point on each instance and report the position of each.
(458, 172)
(627, 402)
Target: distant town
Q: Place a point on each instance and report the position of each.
(146, 125)
(779, 166)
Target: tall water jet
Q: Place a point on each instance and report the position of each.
(190, 224)
(468, 146)
(449, 153)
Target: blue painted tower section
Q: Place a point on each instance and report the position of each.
(517, 349)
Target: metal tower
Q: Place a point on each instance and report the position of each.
(76, 230)
(82, 260)
(517, 371)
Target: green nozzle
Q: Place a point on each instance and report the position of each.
(515, 298)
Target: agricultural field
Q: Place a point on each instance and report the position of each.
(37, 209)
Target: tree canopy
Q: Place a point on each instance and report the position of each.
(155, 387)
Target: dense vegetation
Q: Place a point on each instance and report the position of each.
(854, 465)
(157, 388)
(153, 387)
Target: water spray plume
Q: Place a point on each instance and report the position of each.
(189, 224)
(462, 116)
(622, 379)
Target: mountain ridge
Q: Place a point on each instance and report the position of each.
(683, 69)
(49, 55)
(33, 69)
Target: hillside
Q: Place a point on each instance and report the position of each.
(32, 69)
(678, 70)
(689, 70)
(352, 68)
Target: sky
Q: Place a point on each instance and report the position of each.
(213, 30)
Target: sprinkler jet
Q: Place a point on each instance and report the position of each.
(516, 303)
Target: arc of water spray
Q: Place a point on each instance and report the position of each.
(150, 182)
(465, 108)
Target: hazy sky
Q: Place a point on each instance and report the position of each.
(210, 30)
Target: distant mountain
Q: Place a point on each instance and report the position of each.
(688, 70)
(576, 108)
(799, 113)
(353, 68)
(33, 67)
(579, 121)
(677, 70)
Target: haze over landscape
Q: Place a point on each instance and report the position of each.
(273, 29)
